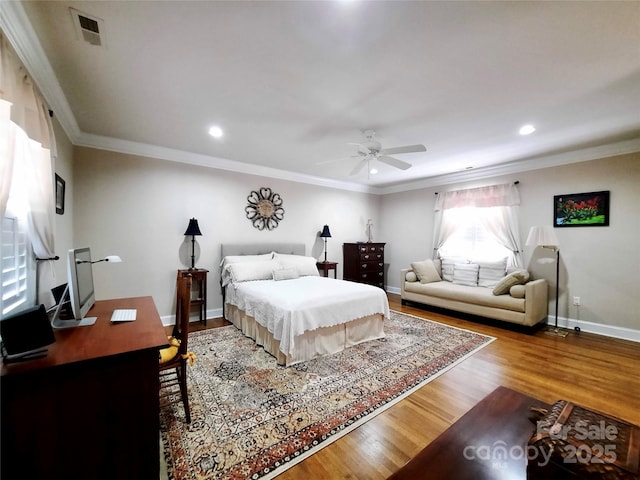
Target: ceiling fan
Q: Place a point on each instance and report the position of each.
(372, 150)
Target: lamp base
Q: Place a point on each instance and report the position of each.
(556, 331)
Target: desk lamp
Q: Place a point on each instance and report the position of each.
(325, 234)
(193, 229)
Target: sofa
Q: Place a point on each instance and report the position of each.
(486, 289)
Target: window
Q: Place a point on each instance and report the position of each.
(471, 239)
(17, 265)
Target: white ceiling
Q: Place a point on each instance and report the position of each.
(291, 83)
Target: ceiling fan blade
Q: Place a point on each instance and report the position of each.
(359, 166)
(394, 162)
(405, 149)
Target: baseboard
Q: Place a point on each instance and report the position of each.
(597, 328)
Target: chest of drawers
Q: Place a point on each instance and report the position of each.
(364, 263)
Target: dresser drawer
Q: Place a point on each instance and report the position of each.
(369, 256)
(371, 266)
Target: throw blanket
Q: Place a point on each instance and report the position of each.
(288, 308)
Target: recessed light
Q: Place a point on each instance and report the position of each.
(527, 129)
(215, 131)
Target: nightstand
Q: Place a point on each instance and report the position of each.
(199, 291)
(324, 267)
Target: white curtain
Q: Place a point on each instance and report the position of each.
(503, 226)
(27, 149)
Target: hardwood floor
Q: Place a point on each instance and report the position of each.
(598, 372)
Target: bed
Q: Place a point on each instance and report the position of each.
(274, 295)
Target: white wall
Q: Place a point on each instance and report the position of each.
(601, 265)
(138, 208)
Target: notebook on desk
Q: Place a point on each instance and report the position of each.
(123, 315)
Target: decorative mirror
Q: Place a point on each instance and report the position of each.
(264, 209)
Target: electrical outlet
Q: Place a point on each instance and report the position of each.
(576, 301)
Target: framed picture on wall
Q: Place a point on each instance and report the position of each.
(581, 209)
(60, 186)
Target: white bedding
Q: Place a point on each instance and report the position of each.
(289, 308)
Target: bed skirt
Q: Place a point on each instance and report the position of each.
(312, 344)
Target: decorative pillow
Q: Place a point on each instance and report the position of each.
(411, 277)
(517, 291)
(426, 271)
(229, 259)
(285, 274)
(465, 274)
(447, 266)
(518, 277)
(247, 271)
(491, 273)
(306, 266)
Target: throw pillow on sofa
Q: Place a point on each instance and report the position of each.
(426, 271)
(518, 291)
(519, 277)
(447, 266)
(465, 274)
(491, 273)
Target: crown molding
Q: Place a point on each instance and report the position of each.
(18, 30)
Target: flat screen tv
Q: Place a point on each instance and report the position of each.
(79, 293)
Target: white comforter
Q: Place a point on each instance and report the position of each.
(288, 308)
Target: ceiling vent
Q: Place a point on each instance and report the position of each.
(88, 28)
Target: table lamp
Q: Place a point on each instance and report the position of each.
(325, 234)
(193, 229)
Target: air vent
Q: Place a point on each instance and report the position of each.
(88, 28)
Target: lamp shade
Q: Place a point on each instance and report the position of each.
(193, 228)
(543, 236)
(325, 232)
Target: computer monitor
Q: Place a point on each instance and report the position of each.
(79, 293)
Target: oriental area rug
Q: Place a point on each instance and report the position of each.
(251, 418)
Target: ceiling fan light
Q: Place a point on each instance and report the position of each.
(373, 171)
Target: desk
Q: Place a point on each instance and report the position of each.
(90, 408)
(325, 267)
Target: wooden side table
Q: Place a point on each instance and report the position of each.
(324, 267)
(198, 292)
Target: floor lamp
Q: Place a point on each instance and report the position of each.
(545, 237)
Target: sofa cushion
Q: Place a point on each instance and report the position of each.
(518, 277)
(462, 293)
(447, 266)
(426, 271)
(490, 273)
(518, 291)
(411, 277)
(465, 274)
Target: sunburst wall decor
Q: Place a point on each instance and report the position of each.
(264, 209)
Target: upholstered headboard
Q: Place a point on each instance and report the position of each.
(261, 248)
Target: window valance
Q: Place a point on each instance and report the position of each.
(504, 195)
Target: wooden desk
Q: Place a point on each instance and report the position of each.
(500, 419)
(325, 267)
(90, 408)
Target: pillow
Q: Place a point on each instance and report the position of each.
(465, 274)
(229, 259)
(491, 273)
(517, 291)
(426, 271)
(518, 277)
(447, 266)
(306, 266)
(247, 271)
(285, 274)
(411, 277)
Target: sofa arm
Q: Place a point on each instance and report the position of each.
(536, 301)
(403, 275)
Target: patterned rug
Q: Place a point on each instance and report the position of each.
(251, 418)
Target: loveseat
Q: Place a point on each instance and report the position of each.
(486, 289)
